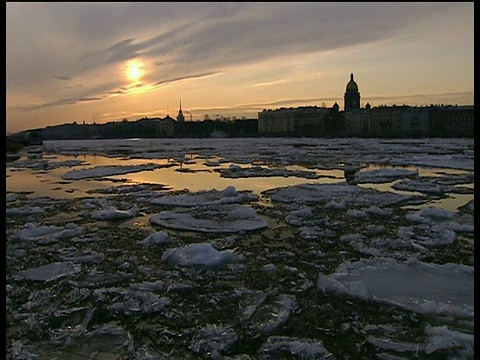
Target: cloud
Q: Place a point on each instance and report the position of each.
(205, 37)
(90, 43)
(269, 83)
(186, 77)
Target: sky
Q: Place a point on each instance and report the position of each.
(99, 62)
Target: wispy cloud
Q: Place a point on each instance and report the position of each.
(269, 83)
(62, 77)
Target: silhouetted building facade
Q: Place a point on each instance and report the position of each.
(415, 121)
(387, 120)
(352, 96)
(304, 120)
(357, 122)
(451, 120)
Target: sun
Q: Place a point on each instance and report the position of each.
(134, 71)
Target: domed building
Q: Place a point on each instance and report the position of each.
(352, 96)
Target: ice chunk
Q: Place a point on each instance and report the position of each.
(24, 211)
(47, 234)
(221, 219)
(356, 213)
(340, 192)
(298, 217)
(441, 337)
(284, 347)
(206, 197)
(212, 338)
(112, 213)
(160, 237)
(383, 175)
(102, 171)
(52, 271)
(412, 285)
(198, 255)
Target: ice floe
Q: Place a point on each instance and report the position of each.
(24, 211)
(340, 193)
(436, 185)
(429, 214)
(113, 213)
(156, 238)
(214, 339)
(218, 219)
(382, 175)
(288, 347)
(102, 171)
(415, 285)
(130, 301)
(198, 255)
(208, 197)
(47, 234)
(52, 271)
(235, 171)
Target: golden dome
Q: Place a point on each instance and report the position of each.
(352, 85)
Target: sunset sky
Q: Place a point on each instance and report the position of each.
(103, 62)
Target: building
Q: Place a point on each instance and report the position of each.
(304, 120)
(387, 120)
(165, 127)
(180, 130)
(452, 120)
(415, 121)
(352, 96)
(357, 122)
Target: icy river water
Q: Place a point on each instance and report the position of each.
(265, 248)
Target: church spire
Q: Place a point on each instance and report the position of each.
(180, 116)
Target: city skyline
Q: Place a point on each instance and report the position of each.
(69, 62)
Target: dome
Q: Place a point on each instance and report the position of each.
(352, 85)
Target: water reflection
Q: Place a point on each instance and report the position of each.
(194, 173)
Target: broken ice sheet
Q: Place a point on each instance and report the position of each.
(198, 255)
(383, 175)
(413, 285)
(218, 219)
(102, 171)
(111, 213)
(282, 347)
(213, 337)
(349, 195)
(207, 197)
(156, 238)
(130, 301)
(52, 271)
(47, 234)
(24, 211)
